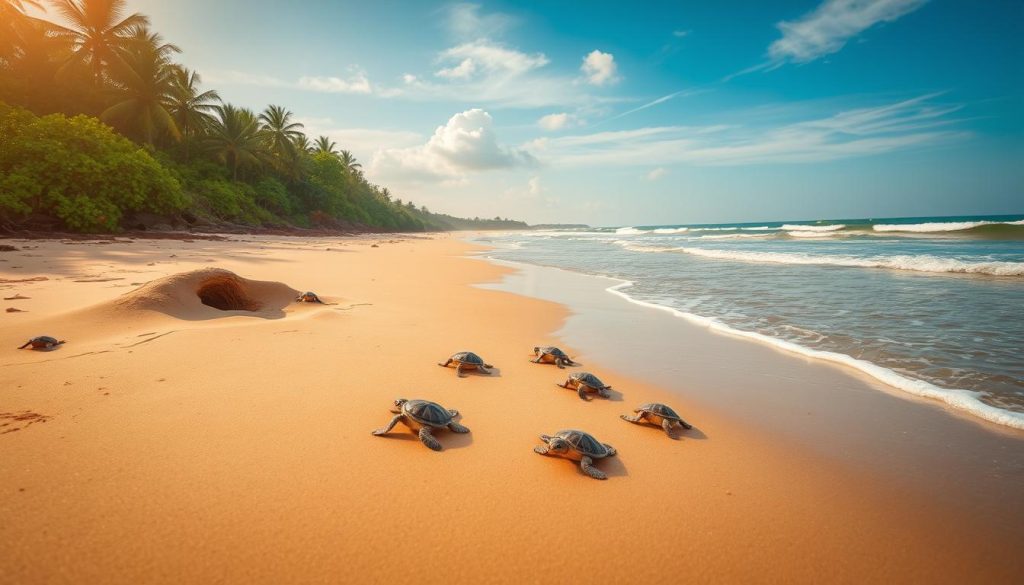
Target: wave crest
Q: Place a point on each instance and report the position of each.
(919, 263)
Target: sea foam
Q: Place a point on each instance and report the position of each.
(937, 226)
(965, 400)
(917, 263)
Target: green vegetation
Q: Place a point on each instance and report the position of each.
(100, 129)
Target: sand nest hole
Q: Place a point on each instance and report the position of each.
(227, 294)
(209, 293)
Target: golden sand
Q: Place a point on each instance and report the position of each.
(172, 442)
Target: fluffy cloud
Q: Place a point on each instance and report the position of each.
(560, 121)
(826, 29)
(488, 57)
(465, 144)
(599, 68)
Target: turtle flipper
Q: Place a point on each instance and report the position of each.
(538, 359)
(558, 362)
(581, 391)
(666, 426)
(457, 428)
(390, 425)
(685, 424)
(540, 449)
(27, 343)
(586, 464)
(483, 369)
(458, 371)
(636, 418)
(429, 439)
(444, 365)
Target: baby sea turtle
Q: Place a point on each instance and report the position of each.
(584, 382)
(422, 417)
(657, 414)
(577, 446)
(552, 355)
(43, 342)
(308, 297)
(467, 360)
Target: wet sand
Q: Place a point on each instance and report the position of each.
(169, 442)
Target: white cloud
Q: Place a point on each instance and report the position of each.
(357, 82)
(560, 121)
(486, 72)
(826, 29)
(656, 174)
(599, 68)
(493, 58)
(463, 70)
(680, 33)
(908, 124)
(466, 143)
(464, 20)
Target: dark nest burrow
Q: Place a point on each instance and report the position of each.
(227, 294)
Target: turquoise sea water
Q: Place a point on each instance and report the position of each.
(932, 306)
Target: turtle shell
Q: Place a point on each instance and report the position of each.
(660, 410)
(468, 357)
(588, 379)
(426, 412)
(583, 442)
(553, 351)
(43, 340)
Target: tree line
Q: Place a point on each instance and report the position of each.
(101, 129)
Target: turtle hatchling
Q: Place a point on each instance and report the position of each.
(657, 414)
(467, 360)
(577, 446)
(43, 342)
(584, 382)
(423, 417)
(308, 297)
(552, 355)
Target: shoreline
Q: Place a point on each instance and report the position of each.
(964, 401)
(234, 448)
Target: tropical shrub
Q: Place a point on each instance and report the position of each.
(79, 171)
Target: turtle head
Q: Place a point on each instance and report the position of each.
(536, 350)
(558, 445)
(555, 444)
(397, 408)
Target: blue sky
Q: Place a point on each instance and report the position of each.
(665, 112)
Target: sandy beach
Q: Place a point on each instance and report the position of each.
(170, 442)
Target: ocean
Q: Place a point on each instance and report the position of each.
(932, 306)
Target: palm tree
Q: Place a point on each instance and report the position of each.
(234, 137)
(190, 108)
(386, 194)
(349, 161)
(324, 145)
(280, 131)
(303, 144)
(13, 21)
(98, 29)
(145, 86)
